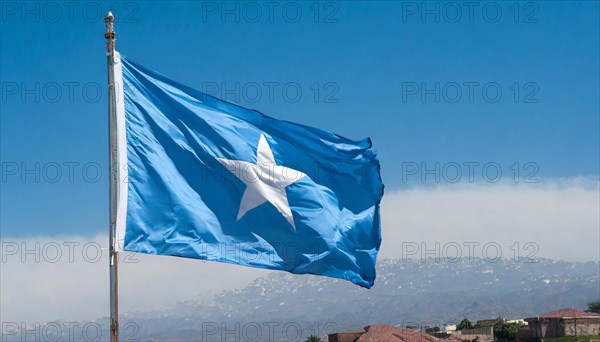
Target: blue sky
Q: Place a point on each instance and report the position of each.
(361, 68)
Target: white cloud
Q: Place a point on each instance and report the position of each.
(77, 288)
(560, 217)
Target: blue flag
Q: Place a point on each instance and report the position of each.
(211, 180)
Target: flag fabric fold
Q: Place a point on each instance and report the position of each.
(211, 180)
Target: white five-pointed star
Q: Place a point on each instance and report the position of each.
(265, 181)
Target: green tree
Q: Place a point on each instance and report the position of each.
(313, 338)
(464, 324)
(506, 331)
(594, 306)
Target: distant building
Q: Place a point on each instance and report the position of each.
(450, 327)
(387, 333)
(487, 322)
(517, 321)
(564, 322)
(481, 334)
(484, 332)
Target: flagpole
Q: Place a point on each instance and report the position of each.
(109, 20)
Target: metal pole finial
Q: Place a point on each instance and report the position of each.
(109, 20)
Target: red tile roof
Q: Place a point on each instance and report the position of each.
(570, 313)
(388, 333)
